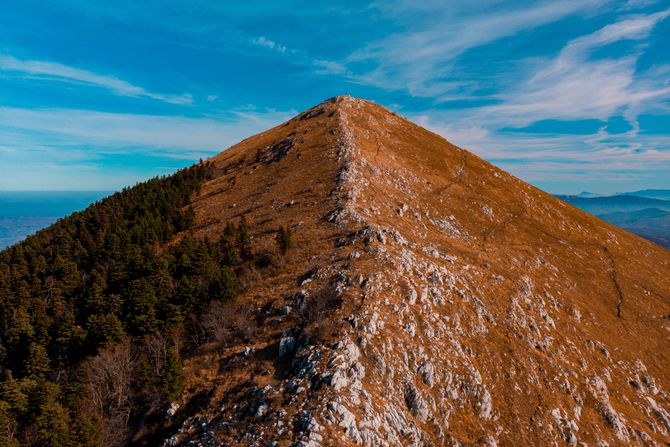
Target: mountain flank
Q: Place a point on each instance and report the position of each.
(479, 309)
(390, 289)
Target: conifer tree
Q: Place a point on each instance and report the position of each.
(53, 425)
(7, 426)
(37, 364)
(224, 285)
(228, 251)
(141, 313)
(172, 377)
(284, 238)
(244, 240)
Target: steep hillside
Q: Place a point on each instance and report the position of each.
(395, 290)
(479, 309)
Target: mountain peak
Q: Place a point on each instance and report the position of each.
(461, 305)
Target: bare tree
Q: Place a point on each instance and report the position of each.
(109, 390)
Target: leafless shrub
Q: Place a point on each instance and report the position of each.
(315, 313)
(268, 257)
(157, 346)
(247, 275)
(109, 391)
(318, 303)
(225, 322)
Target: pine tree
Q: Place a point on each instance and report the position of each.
(228, 251)
(172, 377)
(223, 285)
(141, 313)
(104, 329)
(14, 395)
(69, 338)
(85, 432)
(284, 239)
(37, 365)
(8, 426)
(53, 425)
(244, 240)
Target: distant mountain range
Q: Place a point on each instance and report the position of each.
(645, 212)
(653, 193)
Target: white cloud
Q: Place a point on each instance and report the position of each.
(637, 4)
(573, 85)
(65, 73)
(634, 27)
(326, 67)
(271, 44)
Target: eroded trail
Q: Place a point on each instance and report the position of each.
(503, 226)
(458, 177)
(615, 282)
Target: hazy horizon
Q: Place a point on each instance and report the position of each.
(22, 213)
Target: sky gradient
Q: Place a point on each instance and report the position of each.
(568, 95)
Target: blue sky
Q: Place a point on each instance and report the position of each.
(568, 95)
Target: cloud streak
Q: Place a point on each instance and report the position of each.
(419, 60)
(173, 135)
(72, 149)
(267, 43)
(573, 85)
(65, 73)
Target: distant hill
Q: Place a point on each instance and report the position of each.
(652, 193)
(651, 223)
(587, 194)
(648, 217)
(611, 204)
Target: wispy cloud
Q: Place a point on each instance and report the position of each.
(267, 43)
(171, 135)
(65, 73)
(581, 82)
(74, 149)
(420, 60)
(574, 85)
